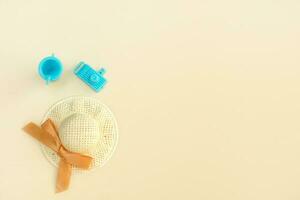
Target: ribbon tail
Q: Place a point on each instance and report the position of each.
(42, 136)
(63, 176)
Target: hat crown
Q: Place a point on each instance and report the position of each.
(79, 133)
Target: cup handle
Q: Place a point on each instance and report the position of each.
(48, 80)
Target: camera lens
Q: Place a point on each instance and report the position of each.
(94, 78)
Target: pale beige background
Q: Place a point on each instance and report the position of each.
(206, 94)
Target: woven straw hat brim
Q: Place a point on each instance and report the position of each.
(108, 131)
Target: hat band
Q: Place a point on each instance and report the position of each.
(47, 134)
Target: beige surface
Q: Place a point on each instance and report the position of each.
(206, 94)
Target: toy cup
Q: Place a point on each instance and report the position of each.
(50, 68)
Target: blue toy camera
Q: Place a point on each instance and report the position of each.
(91, 77)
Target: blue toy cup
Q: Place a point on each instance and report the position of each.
(50, 68)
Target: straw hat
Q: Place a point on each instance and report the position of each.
(85, 126)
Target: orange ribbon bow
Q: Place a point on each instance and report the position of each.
(47, 134)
